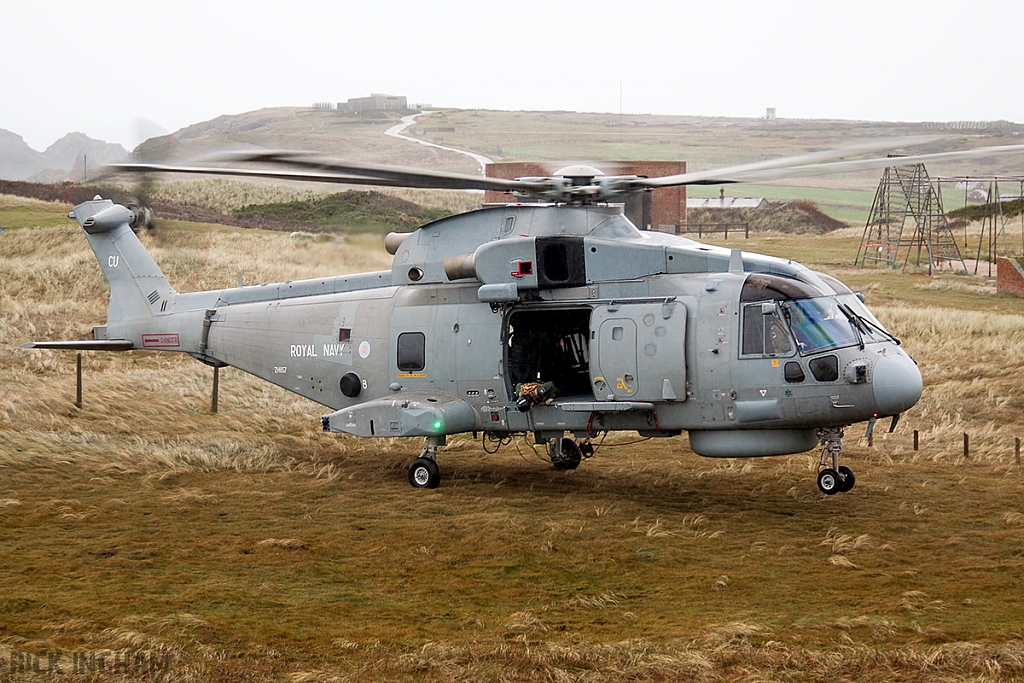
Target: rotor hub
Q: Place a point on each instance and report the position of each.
(579, 175)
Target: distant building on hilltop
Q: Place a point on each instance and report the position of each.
(375, 102)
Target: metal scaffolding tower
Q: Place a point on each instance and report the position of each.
(994, 219)
(907, 221)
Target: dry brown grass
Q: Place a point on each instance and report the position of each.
(10, 200)
(250, 546)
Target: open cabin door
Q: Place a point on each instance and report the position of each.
(550, 345)
(638, 352)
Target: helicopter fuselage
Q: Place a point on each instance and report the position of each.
(752, 355)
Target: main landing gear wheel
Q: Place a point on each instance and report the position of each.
(565, 453)
(829, 481)
(846, 474)
(424, 473)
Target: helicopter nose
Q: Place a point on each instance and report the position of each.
(897, 384)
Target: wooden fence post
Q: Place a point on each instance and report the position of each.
(78, 383)
(915, 439)
(216, 386)
(967, 446)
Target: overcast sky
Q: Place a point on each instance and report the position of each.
(123, 71)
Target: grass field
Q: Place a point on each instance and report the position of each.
(851, 206)
(247, 545)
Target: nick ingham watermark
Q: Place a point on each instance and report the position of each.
(114, 662)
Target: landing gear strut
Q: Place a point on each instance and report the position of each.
(424, 472)
(833, 478)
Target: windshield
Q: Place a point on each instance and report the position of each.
(820, 324)
(858, 307)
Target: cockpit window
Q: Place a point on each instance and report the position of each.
(852, 300)
(858, 307)
(819, 324)
(764, 332)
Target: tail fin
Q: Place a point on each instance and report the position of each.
(138, 289)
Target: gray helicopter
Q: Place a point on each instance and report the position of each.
(558, 319)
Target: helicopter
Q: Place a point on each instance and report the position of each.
(558, 319)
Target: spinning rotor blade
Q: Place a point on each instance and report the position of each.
(413, 177)
(757, 172)
(811, 157)
(406, 177)
(307, 167)
(319, 169)
(138, 203)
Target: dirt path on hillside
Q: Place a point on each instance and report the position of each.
(396, 132)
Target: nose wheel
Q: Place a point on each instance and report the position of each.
(833, 478)
(424, 472)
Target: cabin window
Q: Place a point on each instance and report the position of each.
(345, 334)
(411, 351)
(794, 373)
(825, 368)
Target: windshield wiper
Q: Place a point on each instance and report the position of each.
(883, 331)
(864, 324)
(855, 322)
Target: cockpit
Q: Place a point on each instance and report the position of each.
(782, 316)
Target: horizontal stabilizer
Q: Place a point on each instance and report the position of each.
(82, 345)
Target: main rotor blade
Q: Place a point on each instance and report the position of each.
(409, 177)
(819, 156)
(351, 173)
(319, 169)
(248, 173)
(753, 173)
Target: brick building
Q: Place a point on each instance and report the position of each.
(1009, 277)
(663, 209)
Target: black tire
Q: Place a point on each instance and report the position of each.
(829, 481)
(848, 480)
(565, 454)
(424, 474)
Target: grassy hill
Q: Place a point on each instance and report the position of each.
(349, 136)
(248, 545)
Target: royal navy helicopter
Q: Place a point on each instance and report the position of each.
(558, 319)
